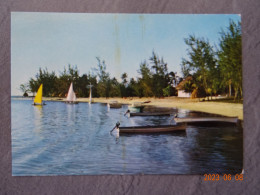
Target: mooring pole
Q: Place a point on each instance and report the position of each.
(90, 92)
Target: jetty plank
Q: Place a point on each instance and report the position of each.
(150, 113)
(206, 119)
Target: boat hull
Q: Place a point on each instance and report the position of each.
(35, 104)
(206, 119)
(114, 105)
(153, 129)
(136, 109)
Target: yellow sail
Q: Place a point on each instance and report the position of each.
(38, 97)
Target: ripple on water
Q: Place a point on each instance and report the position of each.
(62, 139)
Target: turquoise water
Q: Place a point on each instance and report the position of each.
(62, 139)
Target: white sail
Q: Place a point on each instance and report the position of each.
(71, 97)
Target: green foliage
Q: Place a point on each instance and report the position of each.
(131, 88)
(123, 85)
(58, 86)
(173, 78)
(160, 75)
(47, 79)
(230, 57)
(124, 79)
(33, 85)
(70, 75)
(168, 91)
(93, 81)
(135, 87)
(212, 71)
(146, 81)
(114, 88)
(24, 88)
(201, 62)
(104, 83)
(185, 69)
(189, 86)
(154, 80)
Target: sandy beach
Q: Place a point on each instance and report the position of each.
(225, 109)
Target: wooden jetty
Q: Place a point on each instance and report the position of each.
(150, 113)
(206, 119)
(153, 129)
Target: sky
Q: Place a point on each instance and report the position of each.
(123, 41)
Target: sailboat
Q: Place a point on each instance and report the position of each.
(38, 97)
(71, 97)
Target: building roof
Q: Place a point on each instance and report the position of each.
(180, 86)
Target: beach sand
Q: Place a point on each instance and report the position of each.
(225, 109)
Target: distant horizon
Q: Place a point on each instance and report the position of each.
(54, 40)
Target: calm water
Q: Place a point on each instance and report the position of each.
(62, 139)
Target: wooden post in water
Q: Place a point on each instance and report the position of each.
(90, 92)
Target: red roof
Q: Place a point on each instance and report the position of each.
(181, 84)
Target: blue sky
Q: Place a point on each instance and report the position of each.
(54, 40)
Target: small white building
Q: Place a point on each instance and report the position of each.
(180, 88)
(182, 93)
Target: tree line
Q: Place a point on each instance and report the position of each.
(153, 80)
(214, 70)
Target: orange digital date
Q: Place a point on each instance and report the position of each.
(226, 177)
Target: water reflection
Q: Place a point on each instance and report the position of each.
(71, 113)
(208, 153)
(38, 115)
(61, 139)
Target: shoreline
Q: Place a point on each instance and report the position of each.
(222, 108)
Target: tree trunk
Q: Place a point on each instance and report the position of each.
(230, 92)
(236, 93)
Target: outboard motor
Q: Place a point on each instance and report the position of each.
(175, 116)
(117, 124)
(128, 111)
